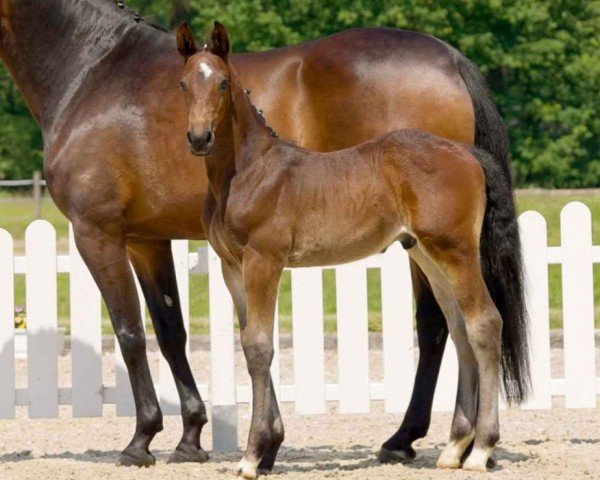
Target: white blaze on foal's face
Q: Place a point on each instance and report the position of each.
(206, 70)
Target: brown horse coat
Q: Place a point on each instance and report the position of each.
(103, 89)
(272, 204)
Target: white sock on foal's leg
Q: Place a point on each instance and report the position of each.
(452, 454)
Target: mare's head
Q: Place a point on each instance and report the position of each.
(205, 83)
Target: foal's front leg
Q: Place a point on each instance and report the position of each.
(261, 276)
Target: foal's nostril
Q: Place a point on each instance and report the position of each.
(208, 137)
(190, 137)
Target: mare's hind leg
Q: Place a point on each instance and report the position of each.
(106, 257)
(235, 284)
(153, 263)
(432, 333)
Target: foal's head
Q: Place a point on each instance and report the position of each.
(205, 82)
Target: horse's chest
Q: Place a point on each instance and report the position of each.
(223, 241)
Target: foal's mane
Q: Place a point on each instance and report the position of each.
(259, 114)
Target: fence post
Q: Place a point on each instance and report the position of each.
(307, 332)
(397, 328)
(41, 301)
(7, 327)
(222, 360)
(535, 260)
(353, 337)
(578, 306)
(37, 194)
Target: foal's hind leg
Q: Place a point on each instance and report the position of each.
(153, 263)
(484, 328)
(235, 283)
(432, 333)
(465, 414)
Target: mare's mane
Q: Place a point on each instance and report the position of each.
(121, 6)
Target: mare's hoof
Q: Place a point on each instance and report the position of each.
(407, 454)
(136, 458)
(188, 454)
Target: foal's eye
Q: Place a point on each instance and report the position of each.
(182, 85)
(224, 85)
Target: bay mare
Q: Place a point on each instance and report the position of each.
(103, 88)
(273, 205)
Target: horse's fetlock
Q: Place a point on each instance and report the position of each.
(490, 439)
(461, 428)
(278, 432)
(152, 422)
(198, 417)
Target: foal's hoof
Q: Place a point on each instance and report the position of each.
(405, 455)
(137, 458)
(246, 469)
(188, 454)
(478, 460)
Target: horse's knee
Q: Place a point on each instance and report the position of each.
(172, 343)
(132, 343)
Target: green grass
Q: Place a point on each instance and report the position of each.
(549, 204)
(16, 212)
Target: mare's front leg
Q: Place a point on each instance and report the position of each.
(153, 263)
(260, 282)
(105, 255)
(432, 333)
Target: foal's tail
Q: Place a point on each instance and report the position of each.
(501, 259)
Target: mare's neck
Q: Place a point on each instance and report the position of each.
(50, 46)
(245, 140)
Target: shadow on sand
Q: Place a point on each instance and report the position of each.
(309, 459)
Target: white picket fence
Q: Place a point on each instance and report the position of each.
(354, 390)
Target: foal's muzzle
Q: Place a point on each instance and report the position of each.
(202, 144)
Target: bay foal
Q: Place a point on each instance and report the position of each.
(273, 205)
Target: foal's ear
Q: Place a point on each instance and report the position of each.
(219, 41)
(185, 41)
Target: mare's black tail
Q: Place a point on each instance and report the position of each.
(501, 259)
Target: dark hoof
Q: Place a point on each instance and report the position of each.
(187, 454)
(407, 454)
(136, 459)
(264, 471)
(491, 463)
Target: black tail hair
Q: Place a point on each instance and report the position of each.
(500, 250)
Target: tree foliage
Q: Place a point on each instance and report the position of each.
(541, 60)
